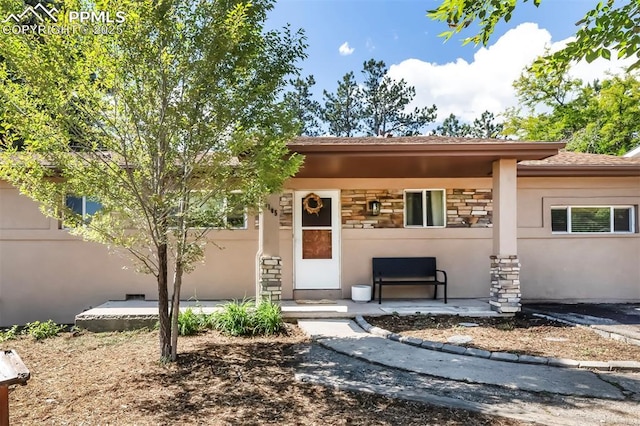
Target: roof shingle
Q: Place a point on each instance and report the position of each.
(566, 158)
(400, 140)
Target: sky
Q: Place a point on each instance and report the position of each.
(463, 80)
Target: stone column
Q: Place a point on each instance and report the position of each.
(505, 267)
(505, 284)
(271, 278)
(269, 262)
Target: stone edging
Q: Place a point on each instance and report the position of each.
(596, 329)
(497, 356)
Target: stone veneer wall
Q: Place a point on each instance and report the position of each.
(286, 210)
(505, 284)
(355, 208)
(465, 208)
(271, 278)
(469, 208)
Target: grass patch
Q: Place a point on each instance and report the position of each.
(235, 318)
(9, 334)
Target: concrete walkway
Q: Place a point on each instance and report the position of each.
(346, 337)
(576, 390)
(130, 314)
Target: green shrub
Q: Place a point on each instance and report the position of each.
(208, 321)
(244, 319)
(42, 330)
(235, 318)
(268, 319)
(189, 323)
(9, 334)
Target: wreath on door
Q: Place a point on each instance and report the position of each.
(316, 200)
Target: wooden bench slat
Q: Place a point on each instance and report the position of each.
(12, 369)
(407, 271)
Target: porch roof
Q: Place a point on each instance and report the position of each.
(411, 156)
(581, 164)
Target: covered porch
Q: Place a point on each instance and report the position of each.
(341, 164)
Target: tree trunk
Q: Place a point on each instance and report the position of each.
(163, 304)
(175, 308)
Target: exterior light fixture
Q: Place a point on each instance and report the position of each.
(374, 207)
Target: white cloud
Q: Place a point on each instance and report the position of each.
(467, 89)
(345, 49)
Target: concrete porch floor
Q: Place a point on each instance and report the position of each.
(131, 314)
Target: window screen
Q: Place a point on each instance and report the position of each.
(596, 219)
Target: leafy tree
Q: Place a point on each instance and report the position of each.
(612, 119)
(385, 101)
(483, 127)
(451, 126)
(552, 89)
(486, 127)
(173, 116)
(305, 109)
(608, 27)
(6, 132)
(343, 110)
(599, 117)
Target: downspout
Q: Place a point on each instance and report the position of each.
(259, 254)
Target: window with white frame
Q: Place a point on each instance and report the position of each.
(592, 219)
(424, 208)
(84, 207)
(214, 212)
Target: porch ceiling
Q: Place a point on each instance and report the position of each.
(410, 157)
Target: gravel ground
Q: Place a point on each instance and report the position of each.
(322, 366)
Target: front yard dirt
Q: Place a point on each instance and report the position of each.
(116, 379)
(522, 334)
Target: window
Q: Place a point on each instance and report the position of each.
(592, 219)
(424, 207)
(216, 213)
(84, 207)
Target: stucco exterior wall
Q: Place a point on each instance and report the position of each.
(46, 273)
(462, 253)
(576, 268)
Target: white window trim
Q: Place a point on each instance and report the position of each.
(632, 225)
(226, 218)
(424, 208)
(84, 214)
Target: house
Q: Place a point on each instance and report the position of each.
(510, 221)
(633, 153)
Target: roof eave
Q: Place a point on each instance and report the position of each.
(578, 170)
(501, 149)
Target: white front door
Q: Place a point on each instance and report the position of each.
(316, 234)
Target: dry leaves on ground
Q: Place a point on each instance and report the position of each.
(115, 378)
(522, 334)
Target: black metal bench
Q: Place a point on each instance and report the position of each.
(407, 271)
